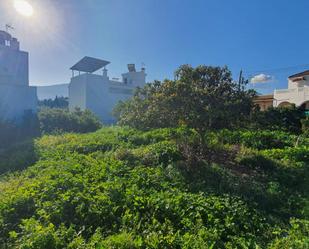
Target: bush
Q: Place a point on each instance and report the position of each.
(305, 125)
(285, 119)
(18, 156)
(297, 237)
(17, 131)
(260, 140)
(60, 120)
(123, 188)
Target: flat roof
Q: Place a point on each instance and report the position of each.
(89, 64)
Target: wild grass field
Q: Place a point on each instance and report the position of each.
(165, 188)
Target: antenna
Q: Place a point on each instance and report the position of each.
(8, 27)
(143, 66)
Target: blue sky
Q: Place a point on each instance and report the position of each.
(259, 36)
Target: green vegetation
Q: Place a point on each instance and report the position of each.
(57, 120)
(12, 132)
(16, 138)
(46, 121)
(198, 166)
(285, 119)
(57, 102)
(166, 188)
(201, 98)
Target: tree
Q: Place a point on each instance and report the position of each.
(58, 102)
(204, 97)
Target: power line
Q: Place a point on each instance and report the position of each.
(275, 69)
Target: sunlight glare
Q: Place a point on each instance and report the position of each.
(23, 7)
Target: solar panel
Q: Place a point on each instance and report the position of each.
(89, 64)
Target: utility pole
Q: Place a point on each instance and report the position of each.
(240, 80)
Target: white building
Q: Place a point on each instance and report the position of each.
(16, 96)
(99, 93)
(297, 92)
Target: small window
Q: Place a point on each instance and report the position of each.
(125, 80)
(7, 43)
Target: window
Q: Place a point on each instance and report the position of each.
(7, 43)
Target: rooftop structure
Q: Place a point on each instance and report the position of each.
(89, 65)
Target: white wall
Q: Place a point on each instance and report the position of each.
(77, 90)
(136, 79)
(301, 83)
(98, 94)
(296, 96)
(51, 91)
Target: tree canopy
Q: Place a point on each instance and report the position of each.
(204, 97)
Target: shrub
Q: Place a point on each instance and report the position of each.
(18, 156)
(258, 139)
(60, 120)
(305, 125)
(285, 119)
(16, 131)
(296, 237)
(122, 188)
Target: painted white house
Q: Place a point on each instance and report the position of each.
(99, 93)
(16, 96)
(297, 92)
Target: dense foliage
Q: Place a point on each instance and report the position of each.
(47, 120)
(202, 98)
(55, 120)
(12, 132)
(286, 119)
(305, 125)
(17, 137)
(57, 102)
(165, 188)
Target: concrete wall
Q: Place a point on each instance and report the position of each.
(77, 89)
(135, 79)
(296, 96)
(13, 66)
(15, 100)
(16, 96)
(51, 91)
(301, 83)
(98, 94)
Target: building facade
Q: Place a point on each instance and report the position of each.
(297, 92)
(16, 96)
(99, 93)
(264, 101)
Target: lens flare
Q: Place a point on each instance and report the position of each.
(23, 7)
